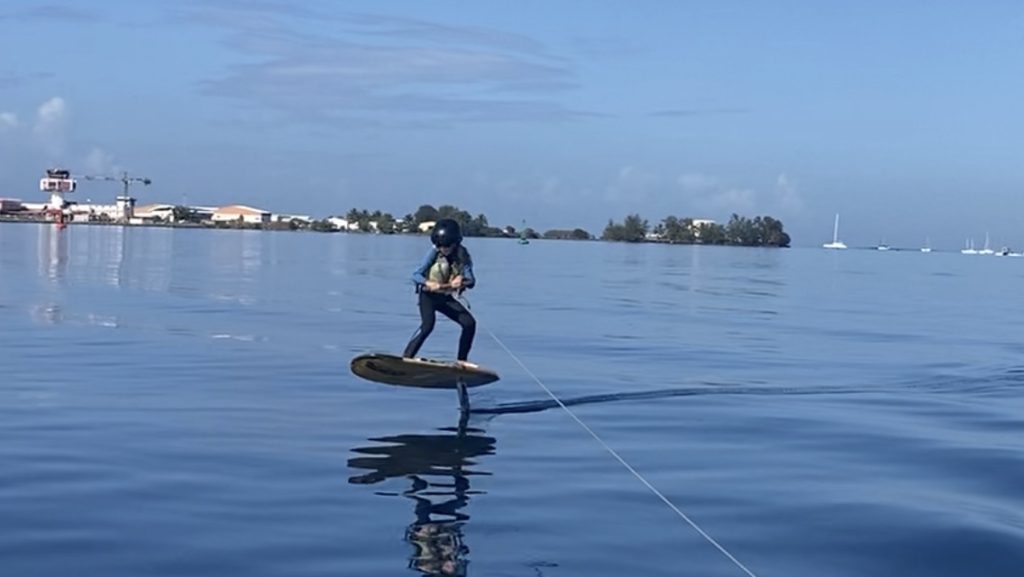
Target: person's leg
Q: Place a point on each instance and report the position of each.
(426, 326)
(454, 310)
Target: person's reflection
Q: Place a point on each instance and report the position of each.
(438, 468)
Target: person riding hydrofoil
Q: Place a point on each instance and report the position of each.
(446, 270)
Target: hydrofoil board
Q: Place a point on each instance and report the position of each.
(419, 372)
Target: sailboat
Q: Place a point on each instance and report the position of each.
(986, 250)
(836, 243)
(927, 245)
(522, 235)
(969, 248)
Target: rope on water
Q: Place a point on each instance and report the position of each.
(612, 451)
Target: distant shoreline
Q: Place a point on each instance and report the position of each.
(284, 227)
(268, 227)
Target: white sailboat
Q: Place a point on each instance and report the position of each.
(927, 245)
(969, 248)
(836, 243)
(986, 250)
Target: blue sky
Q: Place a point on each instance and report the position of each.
(904, 117)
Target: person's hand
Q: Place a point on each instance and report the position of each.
(432, 285)
(456, 282)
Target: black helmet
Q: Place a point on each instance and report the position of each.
(446, 233)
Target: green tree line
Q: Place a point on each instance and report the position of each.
(472, 226)
(388, 224)
(739, 231)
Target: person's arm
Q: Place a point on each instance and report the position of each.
(468, 279)
(419, 276)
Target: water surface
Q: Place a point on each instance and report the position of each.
(178, 402)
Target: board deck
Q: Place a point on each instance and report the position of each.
(419, 372)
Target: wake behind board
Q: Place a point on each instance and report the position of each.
(419, 372)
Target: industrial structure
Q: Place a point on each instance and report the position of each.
(59, 182)
(61, 208)
(125, 203)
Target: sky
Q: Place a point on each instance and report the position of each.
(903, 117)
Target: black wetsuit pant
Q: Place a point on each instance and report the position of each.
(432, 303)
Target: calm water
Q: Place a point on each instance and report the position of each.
(178, 402)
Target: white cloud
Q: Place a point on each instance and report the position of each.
(788, 194)
(8, 120)
(739, 200)
(632, 183)
(100, 162)
(52, 111)
(696, 181)
(49, 127)
(380, 70)
(550, 186)
(701, 195)
(709, 194)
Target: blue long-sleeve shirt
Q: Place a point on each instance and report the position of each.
(419, 276)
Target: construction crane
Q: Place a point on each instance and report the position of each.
(125, 203)
(124, 179)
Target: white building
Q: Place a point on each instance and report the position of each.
(339, 223)
(351, 226)
(10, 205)
(203, 212)
(699, 222)
(241, 213)
(290, 217)
(124, 209)
(121, 211)
(152, 212)
(57, 182)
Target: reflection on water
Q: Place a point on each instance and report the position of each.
(252, 252)
(115, 257)
(241, 252)
(53, 252)
(47, 314)
(438, 468)
(52, 243)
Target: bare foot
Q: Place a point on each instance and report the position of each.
(466, 365)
